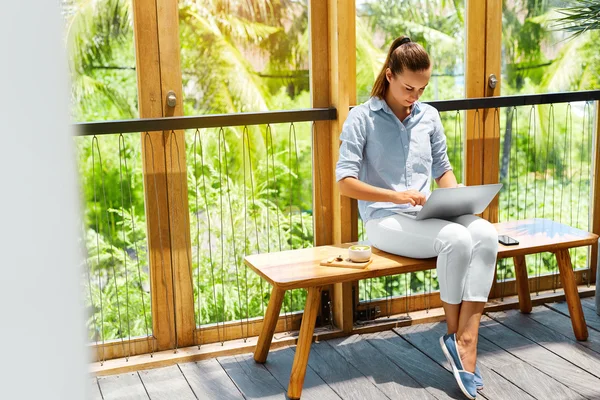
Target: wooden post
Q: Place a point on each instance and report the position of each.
(596, 195)
(332, 29)
(156, 27)
(341, 23)
(323, 173)
(484, 41)
(342, 306)
(475, 82)
(179, 213)
(491, 117)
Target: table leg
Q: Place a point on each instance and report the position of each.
(269, 324)
(522, 284)
(572, 294)
(313, 299)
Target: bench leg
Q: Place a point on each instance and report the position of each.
(572, 294)
(269, 324)
(522, 284)
(313, 299)
(595, 261)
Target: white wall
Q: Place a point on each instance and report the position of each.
(41, 317)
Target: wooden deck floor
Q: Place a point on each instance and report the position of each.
(521, 357)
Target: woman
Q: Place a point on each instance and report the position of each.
(390, 147)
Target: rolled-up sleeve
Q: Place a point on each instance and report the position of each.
(353, 139)
(439, 149)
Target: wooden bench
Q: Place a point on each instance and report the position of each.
(300, 268)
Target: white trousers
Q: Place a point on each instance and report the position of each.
(466, 248)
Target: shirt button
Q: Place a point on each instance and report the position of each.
(406, 147)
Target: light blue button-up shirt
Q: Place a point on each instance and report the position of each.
(380, 150)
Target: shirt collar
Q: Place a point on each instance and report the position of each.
(376, 104)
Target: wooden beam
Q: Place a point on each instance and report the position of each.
(165, 184)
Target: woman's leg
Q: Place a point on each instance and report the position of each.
(452, 312)
(449, 241)
(468, 332)
(478, 282)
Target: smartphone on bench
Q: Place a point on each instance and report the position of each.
(507, 240)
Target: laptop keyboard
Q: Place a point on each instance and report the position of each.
(413, 213)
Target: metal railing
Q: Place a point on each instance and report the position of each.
(241, 200)
(250, 190)
(544, 152)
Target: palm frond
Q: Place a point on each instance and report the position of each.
(566, 69)
(580, 18)
(86, 89)
(93, 30)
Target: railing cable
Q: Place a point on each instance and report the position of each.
(555, 179)
(198, 139)
(549, 134)
(95, 139)
(292, 134)
(533, 128)
(270, 152)
(246, 143)
(93, 308)
(184, 206)
(112, 259)
(198, 304)
(235, 257)
(581, 157)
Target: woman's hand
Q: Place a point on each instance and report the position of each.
(414, 197)
(356, 189)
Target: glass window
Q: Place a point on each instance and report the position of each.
(540, 52)
(242, 56)
(99, 36)
(436, 24)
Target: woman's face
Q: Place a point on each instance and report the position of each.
(407, 87)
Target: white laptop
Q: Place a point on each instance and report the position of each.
(447, 203)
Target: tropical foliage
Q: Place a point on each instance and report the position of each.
(250, 188)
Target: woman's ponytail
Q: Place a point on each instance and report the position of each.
(403, 53)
